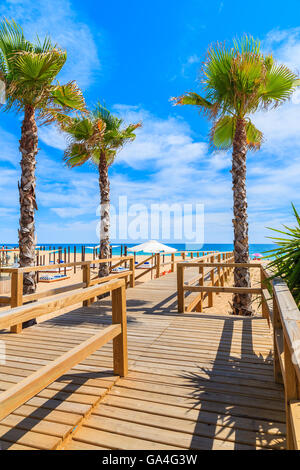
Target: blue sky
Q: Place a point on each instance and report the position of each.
(134, 56)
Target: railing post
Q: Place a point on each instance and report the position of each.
(192, 255)
(16, 292)
(180, 291)
(276, 326)
(157, 265)
(290, 392)
(86, 278)
(264, 307)
(220, 258)
(219, 271)
(132, 269)
(183, 255)
(212, 278)
(120, 355)
(201, 283)
(172, 262)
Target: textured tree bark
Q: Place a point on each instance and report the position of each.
(105, 214)
(241, 302)
(29, 149)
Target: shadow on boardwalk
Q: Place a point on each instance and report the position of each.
(233, 419)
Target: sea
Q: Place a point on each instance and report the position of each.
(116, 248)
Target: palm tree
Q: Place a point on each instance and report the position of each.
(97, 138)
(237, 82)
(28, 71)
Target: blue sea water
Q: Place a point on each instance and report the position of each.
(116, 250)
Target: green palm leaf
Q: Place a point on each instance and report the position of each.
(99, 131)
(237, 81)
(254, 136)
(223, 132)
(279, 85)
(34, 69)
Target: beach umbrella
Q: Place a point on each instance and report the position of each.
(257, 255)
(152, 246)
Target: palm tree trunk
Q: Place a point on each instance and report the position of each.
(29, 149)
(241, 302)
(105, 216)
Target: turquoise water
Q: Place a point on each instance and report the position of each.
(253, 248)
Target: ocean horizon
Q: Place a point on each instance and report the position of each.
(116, 247)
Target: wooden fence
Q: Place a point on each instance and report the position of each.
(20, 393)
(215, 273)
(162, 263)
(17, 298)
(158, 263)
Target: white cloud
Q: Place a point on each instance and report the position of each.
(160, 142)
(57, 19)
(51, 136)
(285, 46)
(9, 148)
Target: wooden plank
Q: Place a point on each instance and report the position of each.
(62, 265)
(50, 292)
(29, 438)
(242, 290)
(30, 386)
(295, 422)
(222, 264)
(120, 356)
(100, 280)
(154, 415)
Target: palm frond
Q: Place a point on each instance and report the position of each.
(36, 69)
(280, 83)
(254, 136)
(100, 131)
(68, 96)
(12, 39)
(285, 260)
(76, 154)
(223, 132)
(236, 82)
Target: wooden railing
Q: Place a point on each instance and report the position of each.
(280, 308)
(17, 298)
(216, 273)
(20, 393)
(159, 262)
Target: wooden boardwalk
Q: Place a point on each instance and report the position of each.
(196, 381)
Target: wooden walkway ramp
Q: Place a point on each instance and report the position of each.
(195, 381)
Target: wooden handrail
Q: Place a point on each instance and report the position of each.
(27, 312)
(30, 386)
(284, 315)
(61, 265)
